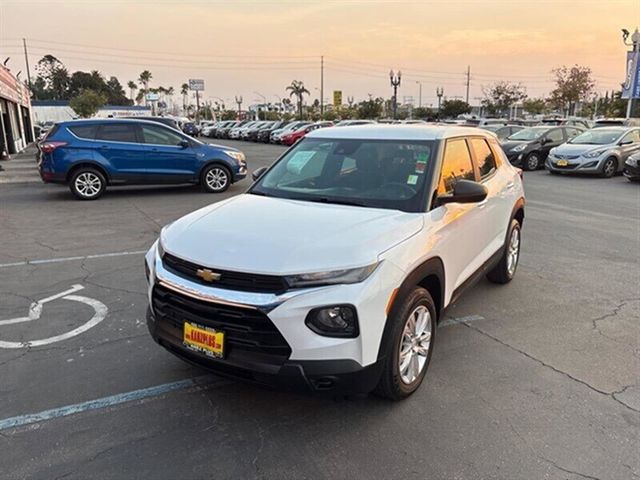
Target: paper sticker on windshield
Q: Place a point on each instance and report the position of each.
(412, 180)
(420, 167)
(298, 161)
(422, 158)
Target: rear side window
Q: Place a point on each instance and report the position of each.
(52, 131)
(84, 131)
(484, 156)
(456, 165)
(572, 132)
(160, 136)
(119, 132)
(555, 135)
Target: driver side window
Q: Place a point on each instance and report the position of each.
(456, 165)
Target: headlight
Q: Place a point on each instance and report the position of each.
(552, 151)
(237, 156)
(334, 277)
(594, 154)
(519, 148)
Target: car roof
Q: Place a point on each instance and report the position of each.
(398, 132)
(97, 121)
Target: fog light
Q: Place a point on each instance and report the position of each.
(336, 321)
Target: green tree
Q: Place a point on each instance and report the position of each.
(143, 79)
(184, 90)
(370, 109)
(423, 113)
(535, 106)
(573, 85)
(87, 103)
(132, 88)
(453, 108)
(52, 81)
(228, 115)
(115, 93)
(500, 96)
(298, 90)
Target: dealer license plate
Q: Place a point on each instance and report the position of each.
(562, 163)
(203, 339)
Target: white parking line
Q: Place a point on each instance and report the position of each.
(105, 402)
(68, 259)
(35, 310)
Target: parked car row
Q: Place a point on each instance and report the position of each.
(266, 131)
(604, 151)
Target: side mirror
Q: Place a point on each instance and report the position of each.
(465, 191)
(256, 174)
(183, 144)
(625, 142)
(544, 140)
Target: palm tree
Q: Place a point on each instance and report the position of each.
(169, 93)
(298, 89)
(184, 90)
(144, 79)
(132, 88)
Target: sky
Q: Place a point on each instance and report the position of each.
(256, 48)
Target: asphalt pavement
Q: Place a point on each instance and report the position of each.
(538, 379)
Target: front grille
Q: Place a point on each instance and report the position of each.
(246, 282)
(250, 336)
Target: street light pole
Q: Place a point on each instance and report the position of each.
(395, 83)
(239, 102)
(419, 94)
(264, 100)
(439, 94)
(632, 67)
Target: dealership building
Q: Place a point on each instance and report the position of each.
(16, 128)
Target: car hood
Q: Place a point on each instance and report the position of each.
(572, 149)
(256, 234)
(214, 147)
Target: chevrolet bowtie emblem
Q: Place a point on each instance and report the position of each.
(207, 275)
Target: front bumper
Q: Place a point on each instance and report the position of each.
(304, 360)
(574, 165)
(631, 172)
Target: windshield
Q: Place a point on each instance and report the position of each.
(529, 133)
(602, 136)
(368, 173)
(492, 128)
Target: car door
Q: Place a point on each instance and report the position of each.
(552, 138)
(458, 227)
(171, 157)
(495, 210)
(629, 144)
(117, 143)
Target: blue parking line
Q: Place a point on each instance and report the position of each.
(21, 420)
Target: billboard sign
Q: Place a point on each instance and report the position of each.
(152, 97)
(337, 98)
(631, 85)
(196, 85)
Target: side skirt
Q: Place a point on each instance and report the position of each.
(477, 275)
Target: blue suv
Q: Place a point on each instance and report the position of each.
(88, 155)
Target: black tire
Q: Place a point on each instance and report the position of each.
(609, 167)
(391, 384)
(212, 177)
(87, 184)
(502, 273)
(532, 162)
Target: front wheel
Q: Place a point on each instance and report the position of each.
(505, 270)
(532, 162)
(215, 179)
(609, 168)
(87, 184)
(409, 345)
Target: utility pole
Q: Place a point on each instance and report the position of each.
(439, 94)
(632, 80)
(468, 82)
(26, 60)
(197, 106)
(419, 94)
(395, 83)
(239, 102)
(321, 87)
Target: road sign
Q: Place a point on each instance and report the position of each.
(337, 98)
(152, 97)
(196, 84)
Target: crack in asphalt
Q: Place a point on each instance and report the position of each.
(614, 313)
(557, 370)
(566, 470)
(148, 217)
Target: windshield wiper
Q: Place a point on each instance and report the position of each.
(335, 200)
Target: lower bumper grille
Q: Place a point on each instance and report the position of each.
(250, 336)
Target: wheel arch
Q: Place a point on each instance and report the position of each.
(86, 164)
(215, 161)
(518, 211)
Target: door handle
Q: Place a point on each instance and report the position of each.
(104, 147)
(510, 185)
(483, 203)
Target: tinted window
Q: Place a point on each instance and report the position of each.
(84, 131)
(456, 165)
(633, 136)
(119, 132)
(159, 136)
(555, 135)
(484, 157)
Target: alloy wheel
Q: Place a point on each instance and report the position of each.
(88, 184)
(216, 178)
(415, 344)
(513, 251)
(609, 168)
(533, 162)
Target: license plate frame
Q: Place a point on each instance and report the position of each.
(562, 163)
(202, 339)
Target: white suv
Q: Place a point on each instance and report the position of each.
(332, 271)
